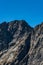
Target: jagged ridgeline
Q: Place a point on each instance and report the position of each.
(20, 44)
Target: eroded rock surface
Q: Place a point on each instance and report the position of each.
(21, 44)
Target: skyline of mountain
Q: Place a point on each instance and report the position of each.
(23, 20)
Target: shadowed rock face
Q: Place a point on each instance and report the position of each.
(20, 44)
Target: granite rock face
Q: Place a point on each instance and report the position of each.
(21, 44)
(36, 46)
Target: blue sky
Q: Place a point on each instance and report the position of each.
(29, 10)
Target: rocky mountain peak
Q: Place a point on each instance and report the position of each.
(12, 29)
(20, 44)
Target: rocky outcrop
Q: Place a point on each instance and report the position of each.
(21, 44)
(36, 47)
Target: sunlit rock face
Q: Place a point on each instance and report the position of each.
(36, 46)
(21, 44)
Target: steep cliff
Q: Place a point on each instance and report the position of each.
(21, 44)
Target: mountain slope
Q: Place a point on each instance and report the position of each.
(36, 47)
(20, 44)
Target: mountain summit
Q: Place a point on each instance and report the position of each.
(20, 44)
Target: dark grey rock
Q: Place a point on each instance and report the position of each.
(21, 44)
